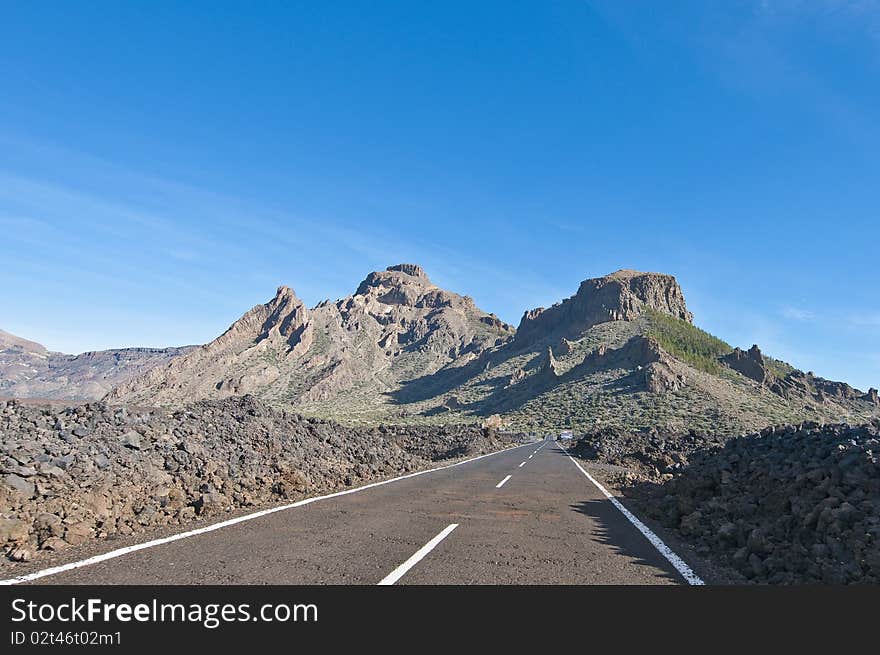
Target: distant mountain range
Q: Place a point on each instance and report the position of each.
(623, 351)
(29, 370)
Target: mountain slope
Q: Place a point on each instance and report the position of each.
(29, 370)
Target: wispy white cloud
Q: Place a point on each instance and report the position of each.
(797, 313)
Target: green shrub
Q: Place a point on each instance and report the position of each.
(686, 342)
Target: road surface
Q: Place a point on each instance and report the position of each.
(527, 515)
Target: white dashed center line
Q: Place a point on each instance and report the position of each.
(521, 465)
(401, 570)
(501, 484)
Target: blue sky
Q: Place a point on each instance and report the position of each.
(164, 167)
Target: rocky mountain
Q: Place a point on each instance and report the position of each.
(29, 370)
(337, 359)
(624, 352)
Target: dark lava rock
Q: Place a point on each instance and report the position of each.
(134, 468)
(793, 504)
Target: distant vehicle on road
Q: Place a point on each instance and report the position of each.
(566, 434)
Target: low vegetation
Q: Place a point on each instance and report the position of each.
(777, 367)
(686, 342)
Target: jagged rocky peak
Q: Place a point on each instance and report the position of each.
(282, 325)
(288, 317)
(285, 300)
(620, 296)
(284, 294)
(402, 284)
(283, 318)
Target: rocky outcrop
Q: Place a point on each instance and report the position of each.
(413, 270)
(29, 370)
(836, 390)
(287, 321)
(548, 369)
(621, 296)
(798, 383)
(872, 397)
(653, 367)
(404, 284)
(637, 352)
(97, 471)
(661, 377)
(749, 363)
(753, 365)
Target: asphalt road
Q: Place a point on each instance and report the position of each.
(545, 524)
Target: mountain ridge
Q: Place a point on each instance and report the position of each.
(396, 325)
(623, 350)
(30, 370)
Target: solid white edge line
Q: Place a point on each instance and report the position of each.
(416, 557)
(501, 484)
(679, 564)
(119, 552)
